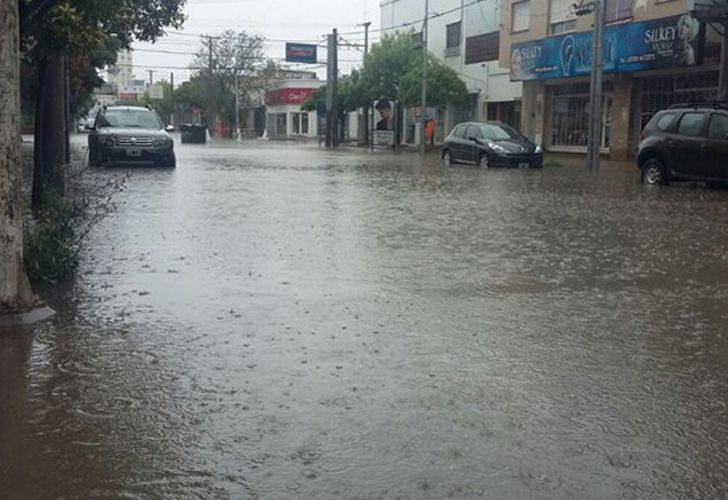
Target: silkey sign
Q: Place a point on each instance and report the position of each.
(660, 43)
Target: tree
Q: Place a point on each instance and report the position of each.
(444, 87)
(58, 31)
(15, 292)
(225, 64)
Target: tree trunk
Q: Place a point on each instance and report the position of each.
(15, 292)
(54, 125)
(38, 181)
(723, 85)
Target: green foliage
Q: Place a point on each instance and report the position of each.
(385, 65)
(551, 163)
(53, 245)
(393, 70)
(213, 87)
(50, 250)
(443, 86)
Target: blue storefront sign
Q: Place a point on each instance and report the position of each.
(301, 53)
(660, 43)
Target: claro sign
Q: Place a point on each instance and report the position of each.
(288, 96)
(660, 43)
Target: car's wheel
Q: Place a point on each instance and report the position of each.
(169, 161)
(484, 161)
(653, 172)
(446, 158)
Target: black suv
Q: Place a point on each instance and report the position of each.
(490, 144)
(685, 142)
(130, 135)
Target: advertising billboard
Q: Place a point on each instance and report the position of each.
(301, 53)
(658, 43)
(384, 122)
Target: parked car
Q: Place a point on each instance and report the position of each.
(490, 144)
(86, 123)
(130, 135)
(685, 142)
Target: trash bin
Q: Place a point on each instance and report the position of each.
(193, 133)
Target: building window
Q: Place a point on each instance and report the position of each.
(296, 123)
(661, 92)
(617, 10)
(482, 48)
(563, 26)
(453, 39)
(570, 118)
(561, 16)
(304, 123)
(521, 16)
(281, 127)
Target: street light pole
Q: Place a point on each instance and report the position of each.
(425, 54)
(237, 104)
(596, 84)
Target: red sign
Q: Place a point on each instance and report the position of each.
(288, 96)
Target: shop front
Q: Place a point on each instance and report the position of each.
(648, 66)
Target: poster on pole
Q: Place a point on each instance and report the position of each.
(383, 122)
(301, 53)
(156, 91)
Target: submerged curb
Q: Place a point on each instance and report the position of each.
(31, 317)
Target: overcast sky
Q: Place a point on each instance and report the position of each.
(276, 20)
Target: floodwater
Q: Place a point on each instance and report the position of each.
(276, 321)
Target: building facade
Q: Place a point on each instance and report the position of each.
(466, 37)
(284, 117)
(121, 75)
(656, 54)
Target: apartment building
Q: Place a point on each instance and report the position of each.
(655, 54)
(465, 36)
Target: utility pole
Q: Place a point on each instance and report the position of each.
(331, 81)
(151, 77)
(174, 106)
(425, 55)
(596, 84)
(366, 108)
(209, 54)
(237, 104)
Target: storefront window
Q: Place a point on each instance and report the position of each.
(661, 92)
(570, 116)
(281, 125)
(296, 122)
(304, 123)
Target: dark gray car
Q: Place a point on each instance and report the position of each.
(490, 144)
(130, 135)
(685, 142)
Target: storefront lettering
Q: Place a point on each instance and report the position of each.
(661, 34)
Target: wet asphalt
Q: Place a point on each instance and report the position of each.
(275, 321)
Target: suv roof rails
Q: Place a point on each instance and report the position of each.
(701, 104)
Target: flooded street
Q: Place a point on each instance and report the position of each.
(275, 321)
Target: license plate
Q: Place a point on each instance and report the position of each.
(523, 165)
(134, 153)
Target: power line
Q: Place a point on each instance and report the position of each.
(418, 21)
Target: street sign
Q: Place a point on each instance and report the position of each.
(156, 91)
(301, 53)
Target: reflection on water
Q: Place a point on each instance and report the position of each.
(280, 322)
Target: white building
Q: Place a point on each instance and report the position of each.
(121, 75)
(284, 117)
(466, 38)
